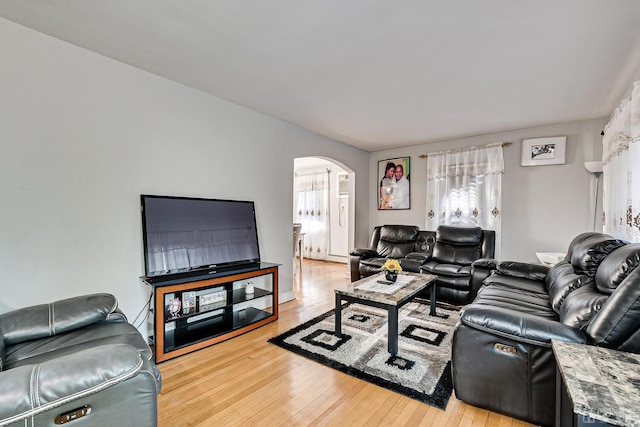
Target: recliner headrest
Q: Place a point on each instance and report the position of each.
(588, 255)
(616, 267)
(577, 241)
(399, 233)
(459, 235)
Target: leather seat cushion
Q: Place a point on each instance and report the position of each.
(376, 262)
(369, 266)
(461, 283)
(516, 299)
(520, 283)
(438, 268)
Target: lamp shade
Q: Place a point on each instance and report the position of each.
(593, 167)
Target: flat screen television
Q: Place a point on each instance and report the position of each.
(191, 236)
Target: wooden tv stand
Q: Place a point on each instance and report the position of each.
(195, 312)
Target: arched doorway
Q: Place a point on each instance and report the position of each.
(339, 226)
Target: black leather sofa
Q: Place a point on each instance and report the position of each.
(75, 360)
(447, 252)
(501, 356)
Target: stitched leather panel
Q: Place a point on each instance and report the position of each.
(616, 267)
(581, 305)
(587, 256)
(43, 320)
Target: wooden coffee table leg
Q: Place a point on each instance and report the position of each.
(393, 330)
(338, 316)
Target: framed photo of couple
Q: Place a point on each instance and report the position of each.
(393, 191)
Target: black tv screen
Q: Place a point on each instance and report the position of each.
(182, 234)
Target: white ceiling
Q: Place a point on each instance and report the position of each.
(375, 74)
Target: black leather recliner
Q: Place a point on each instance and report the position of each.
(405, 243)
(501, 356)
(454, 251)
(75, 358)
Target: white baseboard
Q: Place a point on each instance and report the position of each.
(286, 296)
(337, 258)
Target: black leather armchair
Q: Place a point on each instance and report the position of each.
(454, 251)
(405, 243)
(75, 358)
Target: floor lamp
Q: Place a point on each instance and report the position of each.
(595, 168)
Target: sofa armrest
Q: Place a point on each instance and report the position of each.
(28, 390)
(354, 261)
(419, 256)
(523, 269)
(46, 320)
(518, 326)
(480, 270)
(485, 263)
(363, 253)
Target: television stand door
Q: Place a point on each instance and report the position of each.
(196, 312)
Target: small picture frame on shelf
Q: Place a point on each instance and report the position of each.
(174, 307)
(213, 300)
(543, 151)
(188, 302)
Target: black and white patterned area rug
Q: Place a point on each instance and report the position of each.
(422, 368)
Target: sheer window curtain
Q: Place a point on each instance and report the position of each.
(621, 170)
(312, 211)
(464, 187)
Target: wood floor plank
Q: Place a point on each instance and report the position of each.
(248, 381)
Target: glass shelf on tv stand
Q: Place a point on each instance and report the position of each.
(238, 296)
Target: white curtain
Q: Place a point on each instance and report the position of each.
(312, 211)
(621, 170)
(464, 187)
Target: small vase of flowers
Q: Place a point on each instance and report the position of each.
(391, 269)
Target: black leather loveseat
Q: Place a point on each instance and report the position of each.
(402, 242)
(501, 356)
(447, 253)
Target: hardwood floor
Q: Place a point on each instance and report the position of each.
(247, 381)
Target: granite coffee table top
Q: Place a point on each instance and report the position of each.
(602, 384)
(406, 286)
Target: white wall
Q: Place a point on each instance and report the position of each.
(544, 207)
(82, 136)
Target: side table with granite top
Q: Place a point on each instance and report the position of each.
(596, 386)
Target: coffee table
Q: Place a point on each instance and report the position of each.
(369, 292)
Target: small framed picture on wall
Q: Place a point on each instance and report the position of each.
(394, 184)
(543, 151)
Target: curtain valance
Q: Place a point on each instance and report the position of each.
(471, 161)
